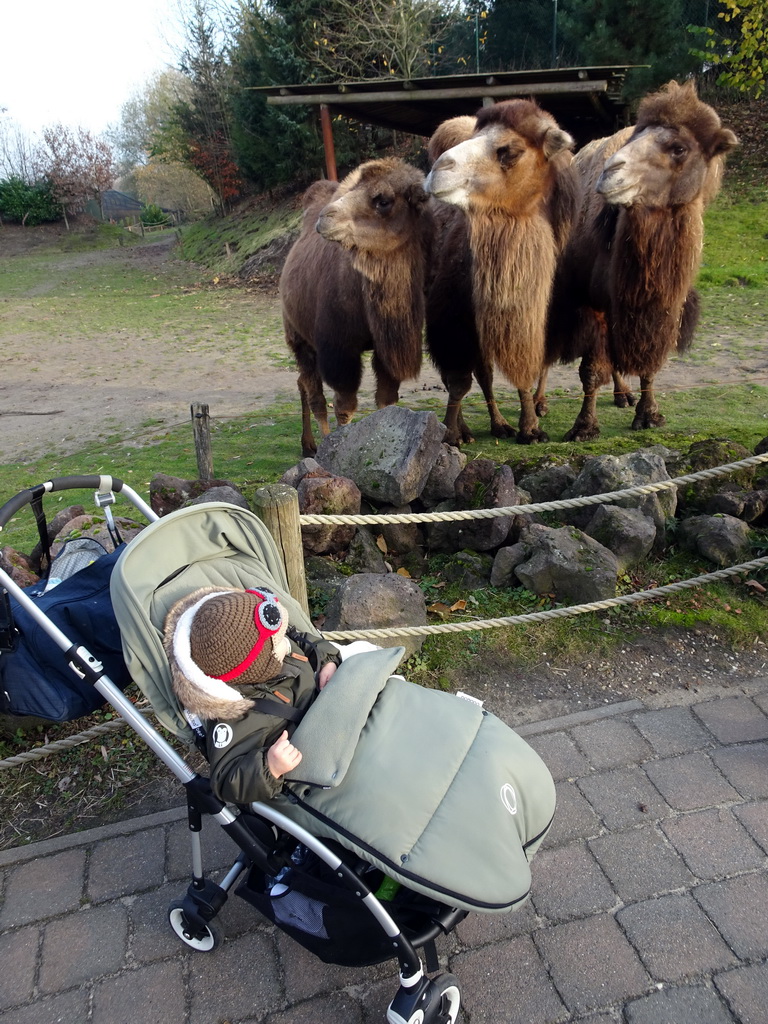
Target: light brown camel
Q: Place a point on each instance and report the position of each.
(623, 298)
(512, 196)
(354, 281)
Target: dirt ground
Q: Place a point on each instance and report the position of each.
(134, 380)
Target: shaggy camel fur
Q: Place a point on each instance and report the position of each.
(354, 281)
(512, 196)
(623, 298)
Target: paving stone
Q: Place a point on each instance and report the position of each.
(569, 883)
(152, 937)
(640, 863)
(43, 888)
(691, 1004)
(480, 929)
(611, 743)
(83, 946)
(623, 797)
(127, 864)
(690, 782)
(672, 731)
(62, 1009)
(324, 1010)
(307, 976)
(754, 818)
(508, 982)
(574, 817)
(18, 956)
(151, 995)
(252, 960)
(738, 908)
(713, 843)
(591, 963)
(746, 990)
(674, 938)
(733, 719)
(561, 755)
(761, 699)
(746, 768)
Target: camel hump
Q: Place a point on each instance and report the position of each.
(319, 192)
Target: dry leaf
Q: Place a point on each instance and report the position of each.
(757, 587)
(381, 544)
(458, 606)
(403, 572)
(438, 608)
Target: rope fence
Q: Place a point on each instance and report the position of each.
(479, 624)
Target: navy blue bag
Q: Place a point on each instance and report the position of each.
(35, 678)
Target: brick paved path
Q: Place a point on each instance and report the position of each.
(649, 905)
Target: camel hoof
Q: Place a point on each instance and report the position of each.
(308, 450)
(503, 429)
(583, 433)
(624, 400)
(542, 408)
(648, 421)
(534, 437)
(456, 440)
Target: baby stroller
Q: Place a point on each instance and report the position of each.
(359, 864)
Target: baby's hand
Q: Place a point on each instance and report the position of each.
(282, 756)
(325, 674)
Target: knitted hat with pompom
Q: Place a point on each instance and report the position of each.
(219, 639)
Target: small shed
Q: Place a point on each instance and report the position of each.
(587, 102)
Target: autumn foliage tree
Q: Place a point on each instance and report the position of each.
(742, 49)
(78, 165)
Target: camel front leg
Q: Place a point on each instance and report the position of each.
(529, 432)
(586, 427)
(647, 412)
(540, 394)
(387, 386)
(312, 396)
(456, 430)
(499, 425)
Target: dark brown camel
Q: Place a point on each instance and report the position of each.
(354, 281)
(623, 298)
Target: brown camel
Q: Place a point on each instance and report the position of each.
(354, 281)
(623, 298)
(512, 196)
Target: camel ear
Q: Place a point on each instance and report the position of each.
(555, 141)
(723, 141)
(415, 195)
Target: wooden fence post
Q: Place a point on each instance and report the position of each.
(278, 507)
(202, 429)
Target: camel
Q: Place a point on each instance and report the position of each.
(508, 195)
(623, 297)
(354, 281)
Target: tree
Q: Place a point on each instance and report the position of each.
(742, 50)
(78, 165)
(17, 151)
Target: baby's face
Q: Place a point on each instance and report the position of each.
(282, 647)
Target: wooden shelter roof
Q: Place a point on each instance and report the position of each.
(585, 101)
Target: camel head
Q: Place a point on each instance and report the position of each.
(674, 155)
(375, 207)
(508, 163)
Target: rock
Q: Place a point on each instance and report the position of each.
(729, 503)
(707, 455)
(168, 493)
(723, 540)
(323, 579)
(363, 554)
(568, 563)
(370, 601)
(296, 474)
(400, 538)
(504, 565)
(54, 528)
(761, 447)
(388, 454)
(18, 567)
(470, 569)
(95, 525)
(627, 532)
(440, 483)
(222, 492)
(603, 474)
(327, 495)
(548, 484)
(481, 484)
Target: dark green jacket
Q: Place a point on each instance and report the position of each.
(237, 749)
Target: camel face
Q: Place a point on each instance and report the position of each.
(658, 167)
(372, 208)
(498, 168)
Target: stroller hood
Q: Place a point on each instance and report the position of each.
(209, 545)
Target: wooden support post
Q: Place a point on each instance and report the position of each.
(330, 152)
(202, 429)
(278, 508)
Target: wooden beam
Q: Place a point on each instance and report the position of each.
(330, 153)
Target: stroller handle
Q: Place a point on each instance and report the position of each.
(100, 483)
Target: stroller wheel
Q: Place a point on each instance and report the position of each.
(429, 1002)
(204, 941)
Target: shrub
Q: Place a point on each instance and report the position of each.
(152, 214)
(27, 203)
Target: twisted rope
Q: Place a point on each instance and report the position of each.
(553, 613)
(641, 490)
(64, 744)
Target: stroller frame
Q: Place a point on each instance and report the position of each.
(260, 830)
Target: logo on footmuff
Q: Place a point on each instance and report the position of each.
(222, 735)
(509, 798)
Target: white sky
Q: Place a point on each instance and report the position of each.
(77, 62)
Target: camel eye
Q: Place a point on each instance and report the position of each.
(678, 150)
(383, 204)
(507, 156)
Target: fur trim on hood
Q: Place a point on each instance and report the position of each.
(209, 699)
